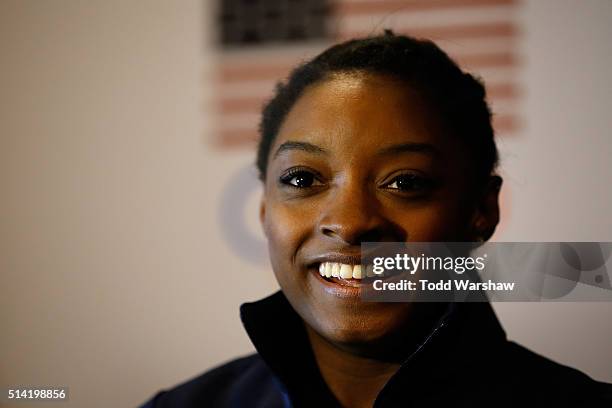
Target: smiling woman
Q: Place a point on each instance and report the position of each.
(382, 139)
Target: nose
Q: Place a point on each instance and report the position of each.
(352, 215)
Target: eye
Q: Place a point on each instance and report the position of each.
(409, 183)
(299, 178)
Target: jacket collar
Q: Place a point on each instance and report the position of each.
(445, 355)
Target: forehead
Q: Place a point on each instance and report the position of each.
(354, 111)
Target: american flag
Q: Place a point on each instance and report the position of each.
(481, 35)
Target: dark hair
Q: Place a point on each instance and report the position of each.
(458, 97)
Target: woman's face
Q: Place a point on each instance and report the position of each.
(359, 158)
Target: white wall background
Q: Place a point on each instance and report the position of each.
(115, 280)
(558, 171)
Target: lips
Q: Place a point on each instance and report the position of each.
(342, 273)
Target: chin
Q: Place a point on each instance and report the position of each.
(366, 328)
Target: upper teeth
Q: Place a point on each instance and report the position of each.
(344, 271)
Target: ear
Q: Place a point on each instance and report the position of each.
(486, 216)
(262, 214)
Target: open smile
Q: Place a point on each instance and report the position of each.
(346, 280)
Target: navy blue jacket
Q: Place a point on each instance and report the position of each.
(465, 361)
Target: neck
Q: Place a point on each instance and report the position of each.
(354, 380)
(355, 376)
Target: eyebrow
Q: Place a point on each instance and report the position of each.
(304, 146)
(424, 148)
(411, 147)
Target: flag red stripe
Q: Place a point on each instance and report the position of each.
(477, 61)
(252, 72)
(506, 124)
(345, 8)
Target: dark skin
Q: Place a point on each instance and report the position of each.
(361, 157)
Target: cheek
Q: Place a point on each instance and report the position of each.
(434, 223)
(286, 229)
(282, 226)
